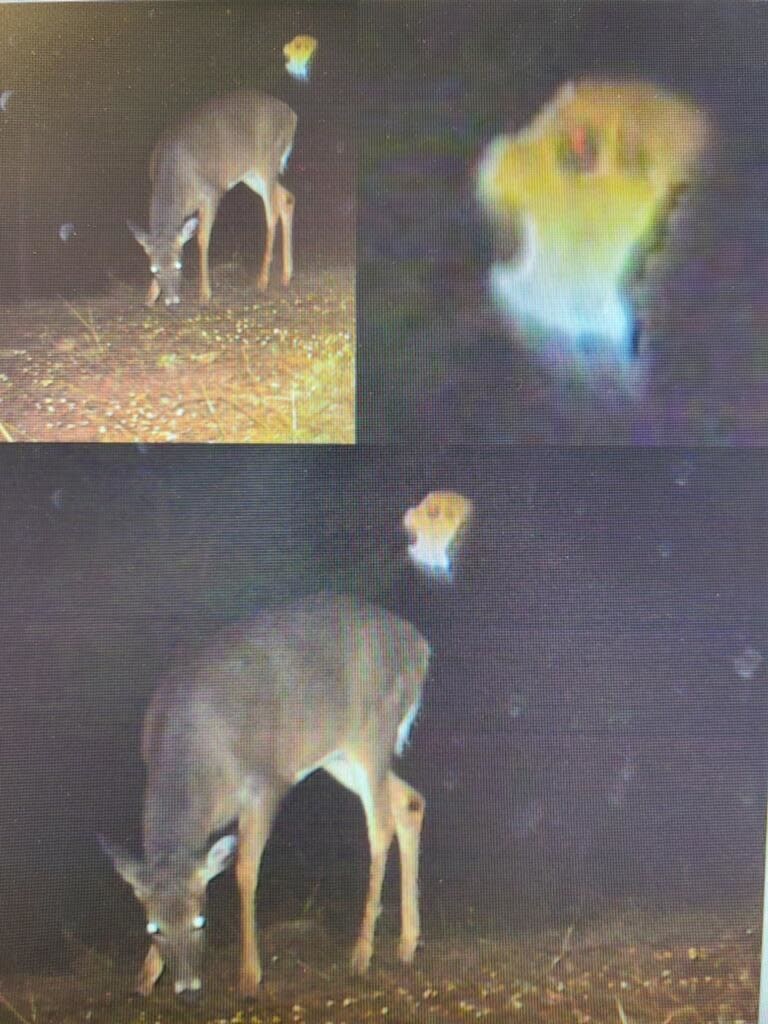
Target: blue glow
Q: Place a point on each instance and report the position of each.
(589, 314)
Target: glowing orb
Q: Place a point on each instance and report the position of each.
(437, 525)
(299, 54)
(576, 201)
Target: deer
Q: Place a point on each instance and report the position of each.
(245, 137)
(326, 682)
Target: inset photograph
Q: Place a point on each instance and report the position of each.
(562, 227)
(179, 222)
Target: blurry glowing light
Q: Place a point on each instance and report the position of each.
(299, 54)
(436, 527)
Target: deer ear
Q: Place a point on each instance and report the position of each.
(130, 868)
(220, 856)
(140, 235)
(188, 228)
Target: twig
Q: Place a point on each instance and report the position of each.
(677, 1013)
(88, 324)
(564, 946)
(245, 355)
(212, 411)
(14, 1011)
(32, 1006)
(312, 970)
(620, 1008)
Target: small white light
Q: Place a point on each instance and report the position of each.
(199, 922)
(153, 928)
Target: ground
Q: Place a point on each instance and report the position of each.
(632, 967)
(249, 368)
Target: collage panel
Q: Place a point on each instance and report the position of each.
(562, 222)
(179, 221)
(539, 676)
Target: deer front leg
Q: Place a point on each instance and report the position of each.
(254, 827)
(207, 215)
(151, 970)
(153, 293)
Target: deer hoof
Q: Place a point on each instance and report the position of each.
(361, 957)
(249, 984)
(407, 949)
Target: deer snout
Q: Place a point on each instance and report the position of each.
(189, 990)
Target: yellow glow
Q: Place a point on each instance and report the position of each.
(576, 198)
(436, 526)
(299, 54)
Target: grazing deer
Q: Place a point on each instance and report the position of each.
(244, 137)
(327, 682)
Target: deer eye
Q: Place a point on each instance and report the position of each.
(199, 922)
(153, 928)
(154, 269)
(178, 264)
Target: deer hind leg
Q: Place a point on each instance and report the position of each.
(254, 828)
(278, 208)
(408, 810)
(270, 208)
(381, 830)
(285, 204)
(207, 215)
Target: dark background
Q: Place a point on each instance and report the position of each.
(94, 86)
(586, 743)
